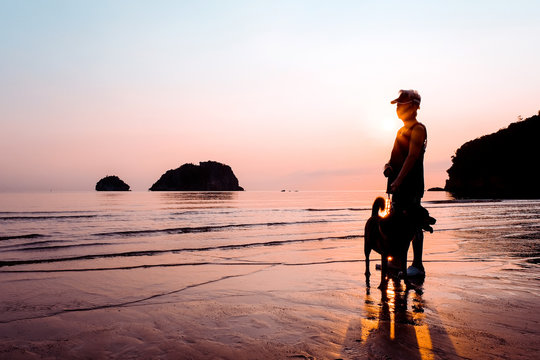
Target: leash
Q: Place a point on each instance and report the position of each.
(388, 203)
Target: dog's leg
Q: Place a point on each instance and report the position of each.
(384, 271)
(368, 242)
(367, 251)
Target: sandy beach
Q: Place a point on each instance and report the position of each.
(298, 299)
(308, 308)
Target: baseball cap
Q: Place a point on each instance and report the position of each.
(407, 96)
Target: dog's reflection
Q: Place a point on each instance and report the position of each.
(392, 322)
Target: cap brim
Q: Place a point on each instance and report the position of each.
(397, 101)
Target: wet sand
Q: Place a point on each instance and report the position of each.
(299, 308)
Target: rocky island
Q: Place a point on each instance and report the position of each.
(111, 183)
(500, 165)
(207, 176)
(437, 188)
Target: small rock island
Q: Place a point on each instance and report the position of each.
(502, 165)
(207, 176)
(111, 183)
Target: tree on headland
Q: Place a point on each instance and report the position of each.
(499, 165)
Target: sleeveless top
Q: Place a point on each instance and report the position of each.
(413, 184)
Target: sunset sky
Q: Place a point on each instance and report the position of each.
(290, 94)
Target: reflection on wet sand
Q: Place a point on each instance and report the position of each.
(395, 326)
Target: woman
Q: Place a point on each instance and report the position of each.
(405, 170)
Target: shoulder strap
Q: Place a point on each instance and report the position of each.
(425, 130)
(417, 123)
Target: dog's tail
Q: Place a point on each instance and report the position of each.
(378, 205)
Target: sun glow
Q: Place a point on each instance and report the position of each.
(381, 123)
(389, 125)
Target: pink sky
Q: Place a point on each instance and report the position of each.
(290, 96)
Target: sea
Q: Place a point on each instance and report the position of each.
(77, 251)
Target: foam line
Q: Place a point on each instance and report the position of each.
(158, 252)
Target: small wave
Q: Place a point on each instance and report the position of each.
(200, 263)
(47, 212)
(524, 236)
(33, 243)
(26, 236)
(338, 209)
(232, 263)
(47, 217)
(148, 266)
(462, 201)
(54, 247)
(174, 251)
(205, 212)
(199, 229)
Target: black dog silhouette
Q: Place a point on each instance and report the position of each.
(391, 236)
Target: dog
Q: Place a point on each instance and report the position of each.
(391, 235)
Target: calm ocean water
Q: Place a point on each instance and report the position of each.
(90, 249)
